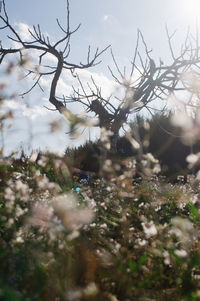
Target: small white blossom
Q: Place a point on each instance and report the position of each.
(33, 157)
(141, 242)
(9, 194)
(90, 290)
(181, 253)
(166, 256)
(149, 229)
(193, 159)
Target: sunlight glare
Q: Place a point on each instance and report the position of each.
(191, 8)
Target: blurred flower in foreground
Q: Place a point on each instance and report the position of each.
(191, 81)
(71, 214)
(150, 165)
(78, 120)
(189, 124)
(184, 230)
(193, 159)
(78, 293)
(41, 215)
(105, 137)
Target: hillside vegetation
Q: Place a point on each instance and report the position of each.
(122, 231)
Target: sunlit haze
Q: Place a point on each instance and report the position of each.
(191, 9)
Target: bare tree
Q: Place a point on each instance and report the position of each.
(41, 43)
(154, 82)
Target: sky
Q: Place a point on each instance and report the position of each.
(103, 23)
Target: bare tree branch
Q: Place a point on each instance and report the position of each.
(153, 82)
(41, 43)
(147, 80)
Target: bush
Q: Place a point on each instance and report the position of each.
(113, 239)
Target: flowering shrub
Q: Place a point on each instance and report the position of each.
(114, 238)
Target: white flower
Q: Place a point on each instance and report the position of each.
(181, 253)
(9, 194)
(133, 142)
(193, 159)
(21, 186)
(151, 158)
(41, 215)
(90, 290)
(73, 235)
(43, 161)
(184, 230)
(19, 239)
(141, 242)
(17, 175)
(33, 157)
(77, 218)
(182, 120)
(149, 229)
(183, 224)
(103, 226)
(166, 258)
(72, 216)
(19, 211)
(157, 169)
(198, 176)
(65, 202)
(117, 248)
(191, 81)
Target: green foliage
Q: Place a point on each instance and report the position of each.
(194, 213)
(114, 239)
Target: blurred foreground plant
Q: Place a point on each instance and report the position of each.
(114, 239)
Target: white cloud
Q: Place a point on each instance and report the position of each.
(66, 80)
(45, 81)
(63, 87)
(34, 112)
(107, 85)
(23, 109)
(49, 58)
(23, 31)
